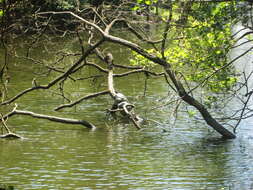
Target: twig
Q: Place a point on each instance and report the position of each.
(81, 99)
(4, 124)
(57, 79)
(9, 134)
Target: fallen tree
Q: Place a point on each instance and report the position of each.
(99, 30)
(179, 87)
(15, 111)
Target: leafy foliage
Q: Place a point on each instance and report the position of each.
(198, 44)
(138, 60)
(142, 4)
(206, 43)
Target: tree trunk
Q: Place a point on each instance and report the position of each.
(200, 107)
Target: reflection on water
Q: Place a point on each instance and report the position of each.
(55, 156)
(124, 159)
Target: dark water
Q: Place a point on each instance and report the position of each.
(187, 156)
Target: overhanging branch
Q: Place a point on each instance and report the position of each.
(57, 79)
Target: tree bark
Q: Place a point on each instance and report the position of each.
(193, 102)
(120, 101)
(51, 118)
(160, 61)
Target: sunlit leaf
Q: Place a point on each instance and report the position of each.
(148, 2)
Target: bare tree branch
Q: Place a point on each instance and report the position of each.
(50, 118)
(81, 99)
(57, 79)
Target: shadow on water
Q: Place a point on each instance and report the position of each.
(6, 187)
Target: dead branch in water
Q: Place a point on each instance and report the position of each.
(50, 118)
(120, 101)
(9, 134)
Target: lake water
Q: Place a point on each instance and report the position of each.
(184, 156)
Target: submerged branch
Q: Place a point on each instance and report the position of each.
(120, 101)
(50, 118)
(10, 135)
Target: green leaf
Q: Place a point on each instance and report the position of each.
(135, 8)
(1, 13)
(148, 2)
(191, 113)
